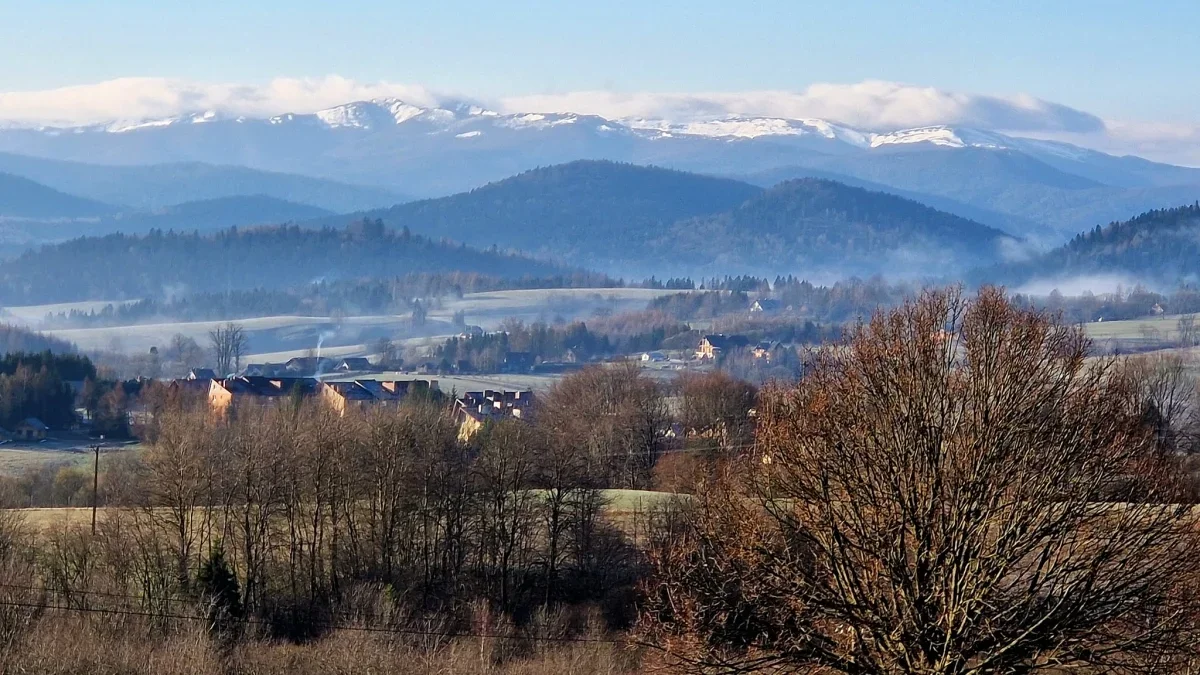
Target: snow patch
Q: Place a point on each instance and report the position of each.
(943, 136)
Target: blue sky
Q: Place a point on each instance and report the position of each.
(1116, 59)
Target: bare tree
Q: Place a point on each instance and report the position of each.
(1166, 391)
(387, 352)
(716, 407)
(229, 345)
(621, 434)
(184, 350)
(1189, 333)
(939, 499)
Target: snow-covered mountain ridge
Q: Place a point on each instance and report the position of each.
(469, 120)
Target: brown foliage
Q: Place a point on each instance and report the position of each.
(943, 495)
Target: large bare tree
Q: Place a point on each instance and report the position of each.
(958, 488)
(229, 344)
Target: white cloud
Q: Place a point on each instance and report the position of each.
(136, 98)
(872, 105)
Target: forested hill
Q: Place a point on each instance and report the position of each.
(813, 224)
(1158, 246)
(579, 211)
(638, 221)
(122, 266)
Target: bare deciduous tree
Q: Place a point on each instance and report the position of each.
(229, 345)
(621, 430)
(948, 492)
(716, 407)
(1189, 333)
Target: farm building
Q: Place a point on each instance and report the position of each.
(30, 429)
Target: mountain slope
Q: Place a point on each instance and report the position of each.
(587, 211)
(120, 266)
(160, 185)
(212, 214)
(997, 219)
(814, 226)
(24, 198)
(1009, 182)
(1160, 246)
(640, 221)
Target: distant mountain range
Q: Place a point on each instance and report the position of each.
(24, 198)
(1041, 190)
(158, 185)
(640, 221)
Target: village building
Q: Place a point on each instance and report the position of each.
(253, 390)
(363, 394)
(309, 366)
(476, 408)
(339, 395)
(265, 370)
(30, 429)
(654, 357)
(765, 349)
(765, 306)
(354, 364)
(713, 346)
(518, 362)
(201, 374)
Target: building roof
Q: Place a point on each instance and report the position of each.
(33, 423)
(494, 404)
(766, 304)
(202, 374)
(354, 363)
(350, 391)
(253, 385)
(722, 341)
(310, 364)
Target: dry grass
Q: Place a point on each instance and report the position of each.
(68, 643)
(620, 505)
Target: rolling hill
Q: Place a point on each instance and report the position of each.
(639, 221)
(27, 199)
(121, 266)
(211, 214)
(824, 228)
(160, 185)
(1156, 247)
(1035, 196)
(592, 212)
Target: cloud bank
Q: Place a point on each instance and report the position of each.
(139, 98)
(871, 105)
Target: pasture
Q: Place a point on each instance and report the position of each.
(277, 338)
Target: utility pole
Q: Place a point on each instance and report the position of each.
(96, 483)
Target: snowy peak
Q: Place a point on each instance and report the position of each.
(943, 136)
(733, 127)
(467, 119)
